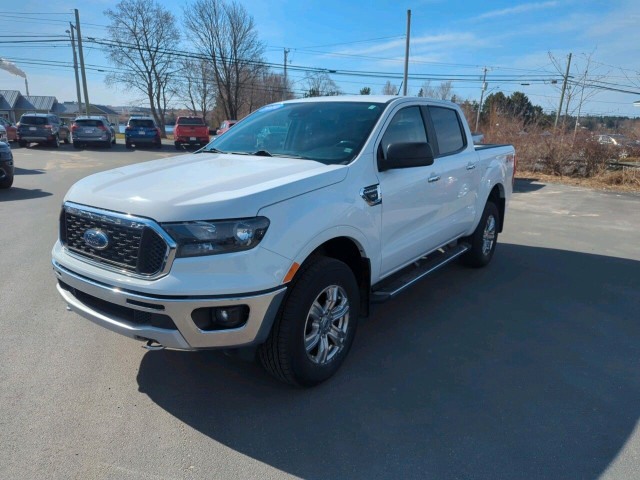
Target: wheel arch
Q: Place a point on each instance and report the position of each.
(349, 250)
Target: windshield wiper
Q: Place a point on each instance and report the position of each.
(212, 150)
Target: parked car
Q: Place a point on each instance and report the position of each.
(10, 128)
(190, 131)
(478, 138)
(3, 134)
(282, 250)
(624, 145)
(64, 132)
(224, 126)
(6, 166)
(142, 131)
(92, 130)
(43, 128)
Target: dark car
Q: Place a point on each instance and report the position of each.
(92, 131)
(142, 131)
(39, 128)
(6, 165)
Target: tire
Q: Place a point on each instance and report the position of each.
(480, 253)
(77, 146)
(284, 354)
(108, 144)
(159, 144)
(177, 145)
(22, 143)
(56, 141)
(6, 182)
(66, 140)
(128, 145)
(113, 141)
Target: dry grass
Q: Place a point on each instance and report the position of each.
(565, 157)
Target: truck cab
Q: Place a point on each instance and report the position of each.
(278, 236)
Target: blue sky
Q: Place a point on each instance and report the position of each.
(448, 38)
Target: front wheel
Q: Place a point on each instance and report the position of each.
(484, 239)
(315, 327)
(6, 182)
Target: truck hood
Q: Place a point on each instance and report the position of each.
(203, 186)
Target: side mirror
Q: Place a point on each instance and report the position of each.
(405, 155)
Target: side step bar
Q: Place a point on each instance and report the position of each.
(423, 267)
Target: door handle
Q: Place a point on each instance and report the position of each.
(433, 178)
(471, 166)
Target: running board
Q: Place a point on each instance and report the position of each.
(426, 265)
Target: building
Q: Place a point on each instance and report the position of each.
(13, 105)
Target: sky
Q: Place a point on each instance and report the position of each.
(448, 38)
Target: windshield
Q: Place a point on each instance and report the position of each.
(190, 121)
(33, 121)
(141, 122)
(329, 132)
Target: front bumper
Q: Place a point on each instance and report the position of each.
(186, 336)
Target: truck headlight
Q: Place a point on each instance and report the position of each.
(211, 238)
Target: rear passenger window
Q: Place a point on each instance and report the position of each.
(406, 126)
(448, 132)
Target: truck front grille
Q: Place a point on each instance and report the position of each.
(132, 245)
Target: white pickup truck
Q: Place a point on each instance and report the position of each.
(278, 235)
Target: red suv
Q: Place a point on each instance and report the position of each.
(190, 131)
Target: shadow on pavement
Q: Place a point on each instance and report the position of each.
(525, 369)
(27, 171)
(524, 185)
(16, 193)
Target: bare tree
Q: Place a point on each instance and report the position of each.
(389, 89)
(266, 89)
(320, 85)
(443, 91)
(226, 35)
(197, 88)
(143, 34)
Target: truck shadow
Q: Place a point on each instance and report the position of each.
(525, 369)
(524, 185)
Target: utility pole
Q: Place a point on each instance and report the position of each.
(564, 87)
(406, 55)
(75, 65)
(484, 87)
(284, 85)
(84, 74)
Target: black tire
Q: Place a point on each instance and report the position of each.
(477, 256)
(113, 141)
(283, 354)
(77, 146)
(159, 144)
(56, 141)
(66, 140)
(108, 144)
(6, 182)
(177, 145)
(22, 143)
(128, 145)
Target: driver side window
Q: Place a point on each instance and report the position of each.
(406, 126)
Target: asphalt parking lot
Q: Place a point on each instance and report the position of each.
(526, 369)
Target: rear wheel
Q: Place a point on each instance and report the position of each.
(56, 141)
(66, 139)
(77, 146)
(484, 239)
(177, 145)
(127, 144)
(159, 144)
(22, 143)
(108, 144)
(315, 327)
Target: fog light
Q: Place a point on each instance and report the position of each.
(220, 318)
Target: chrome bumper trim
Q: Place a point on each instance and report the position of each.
(262, 311)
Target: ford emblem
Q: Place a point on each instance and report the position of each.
(96, 239)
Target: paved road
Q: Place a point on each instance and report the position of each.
(526, 369)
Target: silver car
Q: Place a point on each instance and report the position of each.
(92, 130)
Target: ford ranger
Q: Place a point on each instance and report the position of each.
(277, 236)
